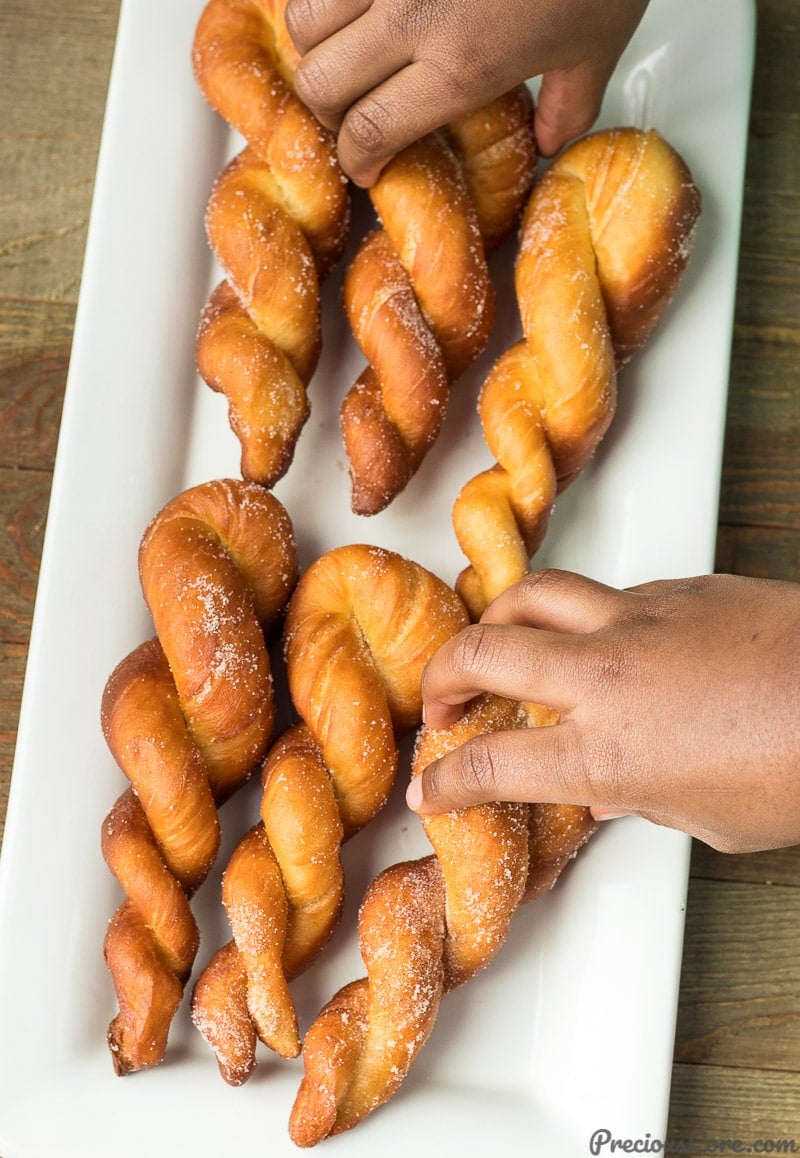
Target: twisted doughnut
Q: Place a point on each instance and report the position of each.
(276, 220)
(187, 716)
(418, 295)
(361, 625)
(604, 241)
(427, 926)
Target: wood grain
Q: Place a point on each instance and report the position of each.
(12, 671)
(776, 867)
(738, 1043)
(745, 1104)
(738, 1014)
(740, 994)
(54, 61)
(761, 480)
(35, 340)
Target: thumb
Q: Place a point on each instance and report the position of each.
(568, 104)
(532, 765)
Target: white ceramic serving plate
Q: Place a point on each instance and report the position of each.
(571, 1029)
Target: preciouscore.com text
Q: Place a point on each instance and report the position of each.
(698, 1142)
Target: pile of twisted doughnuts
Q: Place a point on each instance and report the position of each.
(603, 238)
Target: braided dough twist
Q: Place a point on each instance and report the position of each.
(276, 220)
(361, 626)
(425, 927)
(605, 238)
(187, 716)
(418, 295)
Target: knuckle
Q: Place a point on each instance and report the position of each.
(548, 578)
(480, 770)
(413, 20)
(569, 766)
(366, 127)
(471, 652)
(456, 77)
(612, 669)
(315, 88)
(603, 771)
(302, 18)
(542, 583)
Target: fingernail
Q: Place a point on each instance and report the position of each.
(414, 794)
(598, 814)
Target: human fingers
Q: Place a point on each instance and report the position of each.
(558, 601)
(506, 660)
(347, 65)
(534, 765)
(568, 104)
(503, 655)
(572, 89)
(412, 102)
(551, 766)
(608, 812)
(309, 22)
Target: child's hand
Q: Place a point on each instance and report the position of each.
(385, 72)
(679, 701)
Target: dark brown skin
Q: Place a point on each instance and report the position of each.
(382, 73)
(679, 702)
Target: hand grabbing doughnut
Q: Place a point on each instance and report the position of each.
(677, 699)
(427, 926)
(383, 73)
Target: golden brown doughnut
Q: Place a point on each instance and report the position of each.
(187, 716)
(276, 220)
(361, 625)
(418, 295)
(605, 238)
(427, 926)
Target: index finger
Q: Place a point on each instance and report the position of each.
(561, 601)
(519, 663)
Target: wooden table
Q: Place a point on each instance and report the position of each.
(737, 1053)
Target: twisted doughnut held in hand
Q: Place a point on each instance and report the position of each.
(418, 295)
(427, 926)
(604, 242)
(187, 716)
(276, 220)
(361, 626)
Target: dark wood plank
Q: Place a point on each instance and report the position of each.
(738, 1011)
(765, 552)
(35, 340)
(54, 61)
(779, 866)
(761, 481)
(12, 670)
(24, 498)
(744, 1104)
(776, 86)
(740, 985)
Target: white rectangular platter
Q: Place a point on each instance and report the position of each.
(571, 1029)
